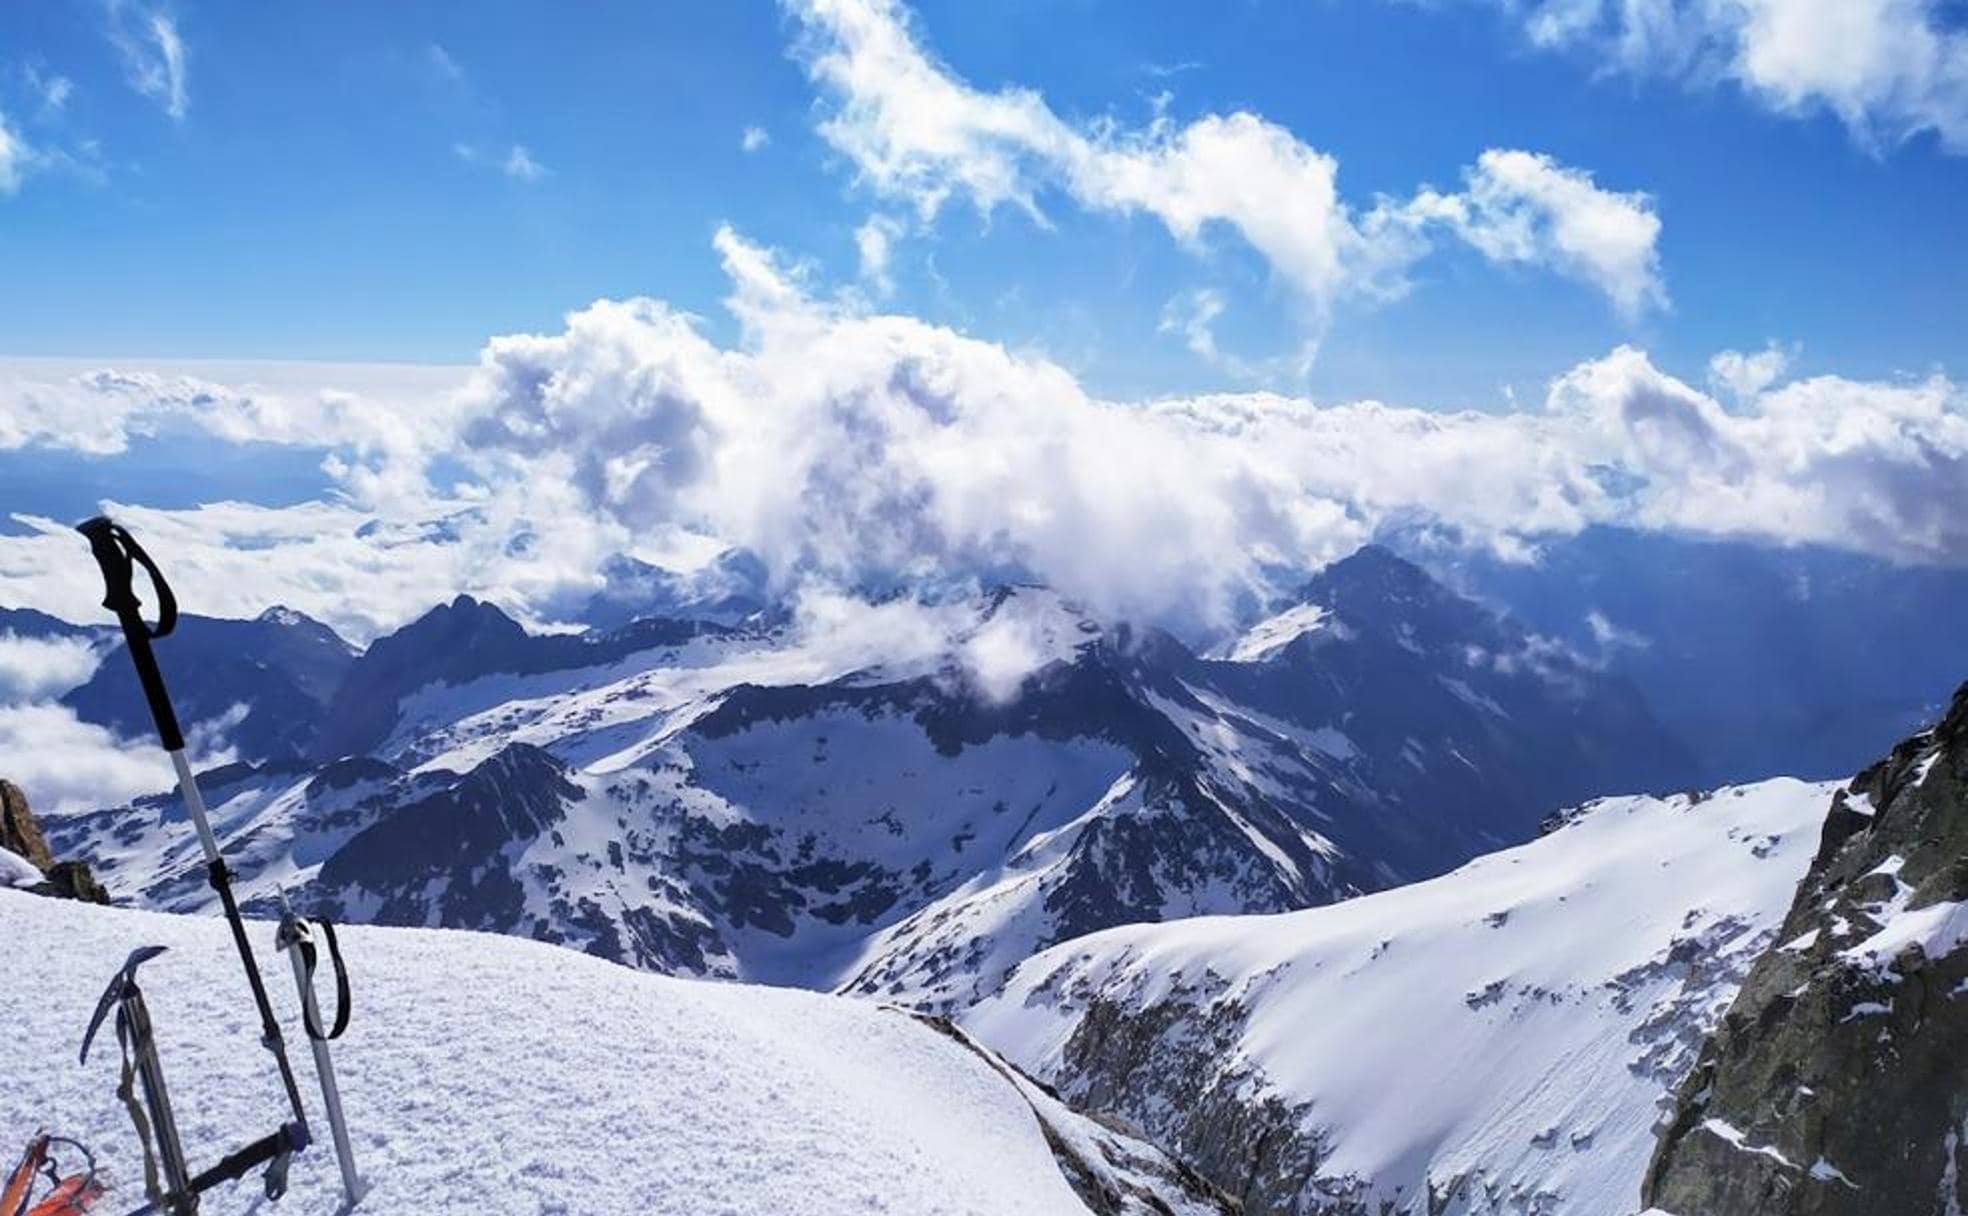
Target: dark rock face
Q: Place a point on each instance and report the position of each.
(1835, 1085)
(453, 840)
(280, 668)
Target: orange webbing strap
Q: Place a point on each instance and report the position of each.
(13, 1197)
(72, 1196)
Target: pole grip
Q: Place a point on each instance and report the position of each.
(117, 554)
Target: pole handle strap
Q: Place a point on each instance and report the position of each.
(298, 932)
(118, 553)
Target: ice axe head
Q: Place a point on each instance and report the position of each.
(122, 982)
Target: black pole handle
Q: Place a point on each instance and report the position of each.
(118, 554)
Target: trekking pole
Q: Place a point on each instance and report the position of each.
(296, 938)
(118, 553)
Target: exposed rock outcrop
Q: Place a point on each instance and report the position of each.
(20, 834)
(1835, 1085)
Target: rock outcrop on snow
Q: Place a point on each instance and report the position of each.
(1834, 1086)
(21, 838)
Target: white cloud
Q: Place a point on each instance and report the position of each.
(64, 764)
(852, 449)
(754, 139)
(1889, 69)
(146, 37)
(33, 669)
(14, 156)
(1744, 376)
(874, 243)
(917, 132)
(519, 163)
(1524, 207)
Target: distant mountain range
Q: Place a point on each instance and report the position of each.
(1803, 661)
(734, 800)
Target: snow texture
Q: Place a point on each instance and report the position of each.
(485, 1074)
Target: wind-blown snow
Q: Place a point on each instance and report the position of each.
(486, 1075)
(1273, 634)
(1514, 1022)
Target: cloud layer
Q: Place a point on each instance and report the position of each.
(854, 449)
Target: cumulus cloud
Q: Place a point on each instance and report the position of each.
(918, 132)
(754, 139)
(857, 451)
(146, 38)
(1526, 208)
(1888, 69)
(65, 764)
(867, 448)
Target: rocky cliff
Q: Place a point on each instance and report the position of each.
(1838, 1081)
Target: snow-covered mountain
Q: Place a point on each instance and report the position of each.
(1499, 1039)
(486, 1075)
(903, 815)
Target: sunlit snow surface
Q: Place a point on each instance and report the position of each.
(1515, 1022)
(485, 1074)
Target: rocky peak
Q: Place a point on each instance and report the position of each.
(1832, 1086)
(20, 833)
(1379, 595)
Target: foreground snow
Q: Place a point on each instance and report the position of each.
(1496, 1039)
(488, 1074)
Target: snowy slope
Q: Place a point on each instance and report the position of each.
(489, 1075)
(1499, 1039)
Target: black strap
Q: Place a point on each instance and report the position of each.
(309, 1017)
(117, 553)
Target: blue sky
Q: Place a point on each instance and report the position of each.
(335, 185)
